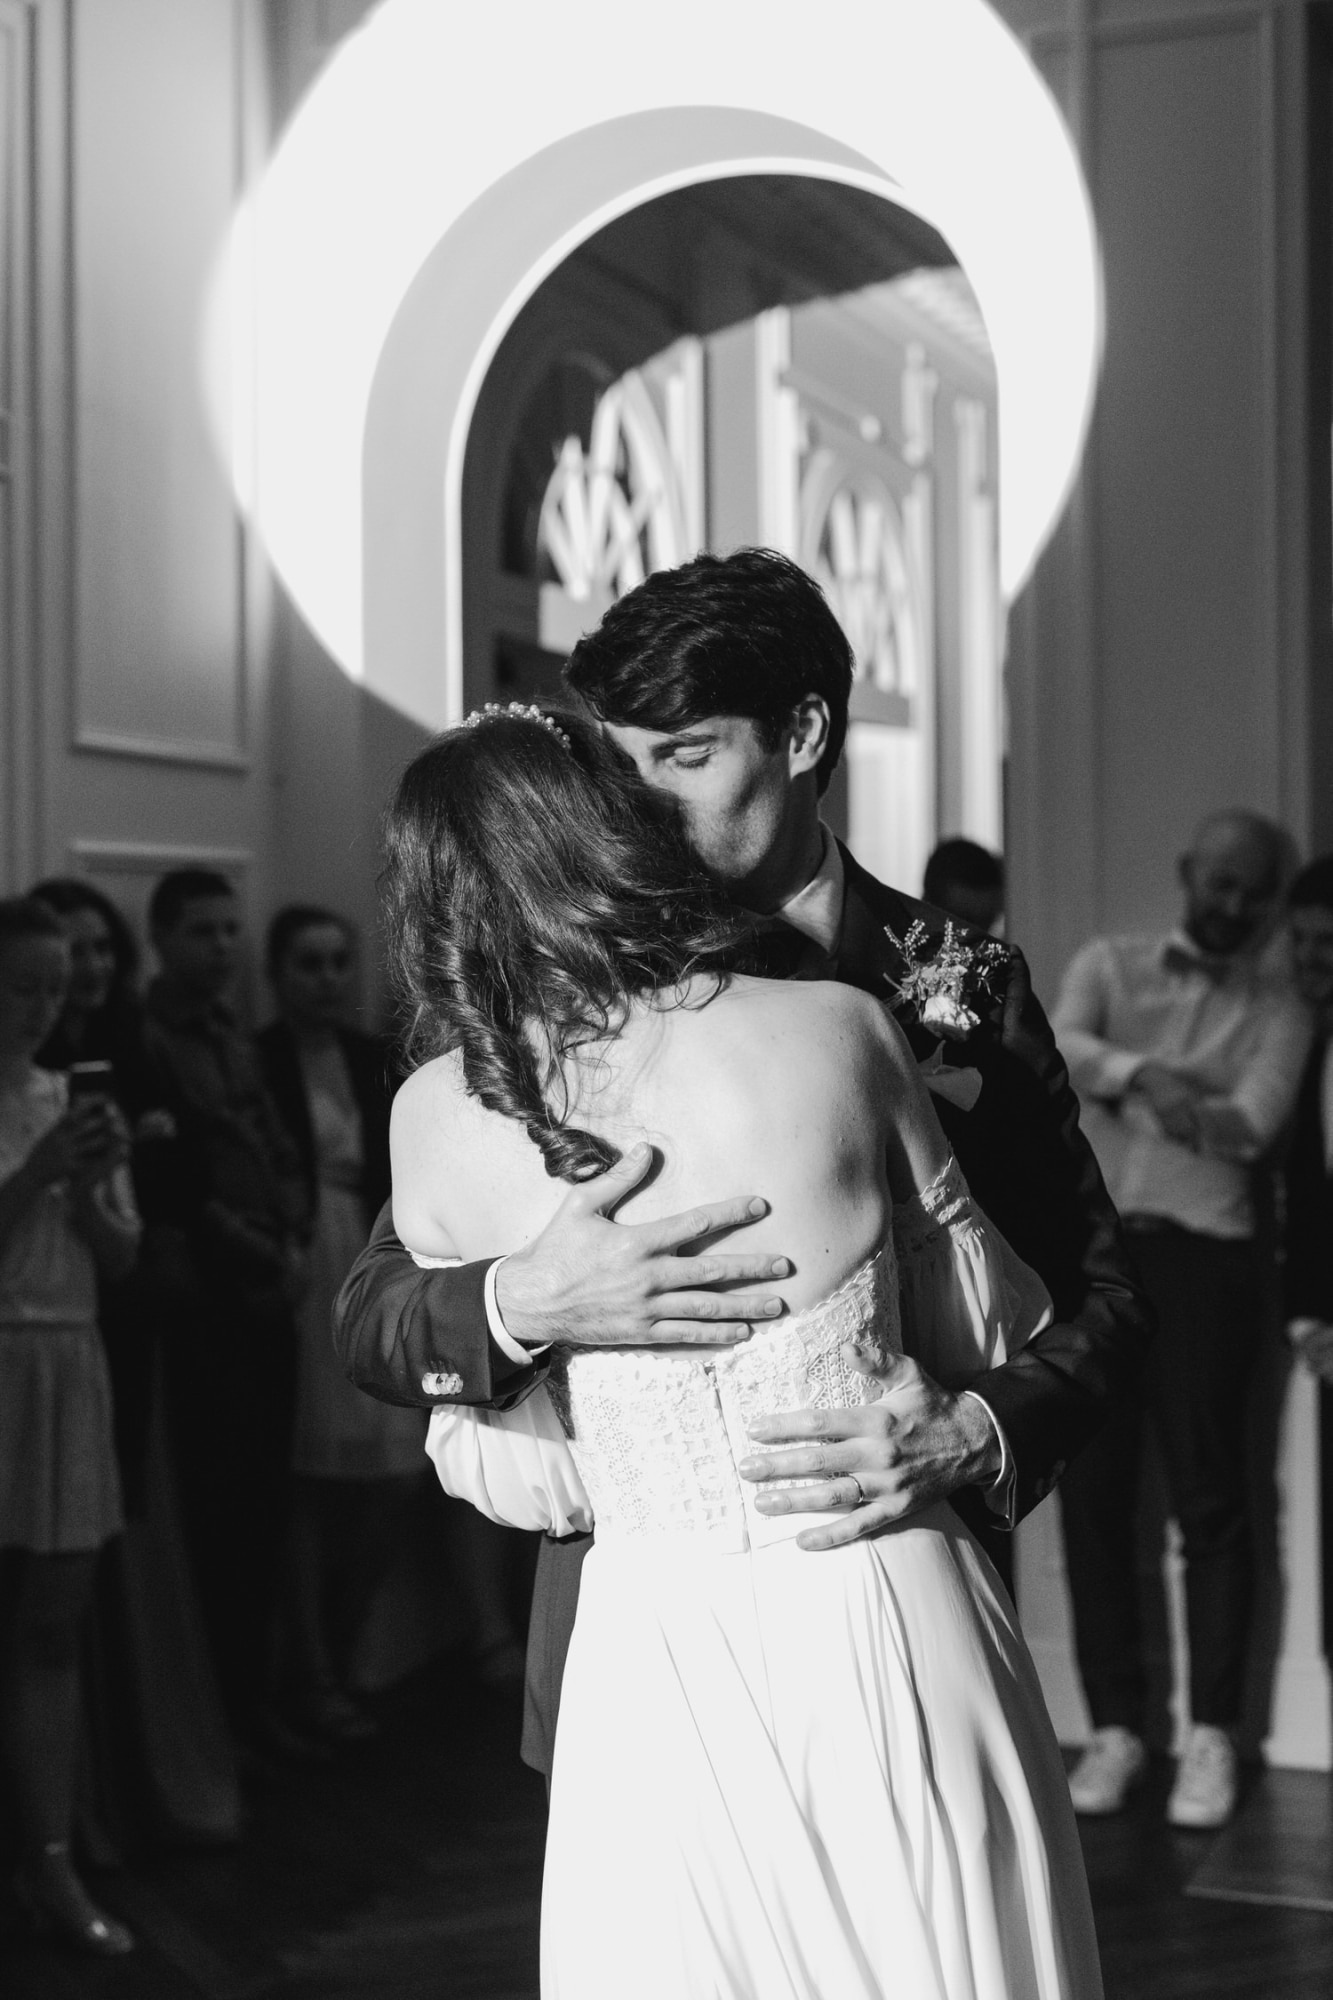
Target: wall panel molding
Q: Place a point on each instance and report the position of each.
(163, 614)
(1151, 24)
(20, 676)
(161, 750)
(1080, 56)
(153, 857)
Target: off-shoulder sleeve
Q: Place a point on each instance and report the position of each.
(968, 1300)
(514, 1465)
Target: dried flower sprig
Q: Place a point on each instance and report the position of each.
(939, 986)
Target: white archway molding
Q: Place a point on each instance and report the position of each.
(463, 146)
(445, 334)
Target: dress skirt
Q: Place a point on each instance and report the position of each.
(59, 1483)
(793, 1775)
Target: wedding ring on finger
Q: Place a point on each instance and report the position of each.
(858, 1498)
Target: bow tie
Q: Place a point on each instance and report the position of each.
(1186, 958)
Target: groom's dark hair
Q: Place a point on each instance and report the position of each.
(746, 634)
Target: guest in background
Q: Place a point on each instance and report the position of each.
(65, 1210)
(100, 1018)
(354, 1460)
(102, 1021)
(966, 881)
(1308, 1273)
(1186, 1053)
(243, 1260)
(160, 1762)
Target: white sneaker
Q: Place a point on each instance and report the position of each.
(1204, 1794)
(1111, 1765)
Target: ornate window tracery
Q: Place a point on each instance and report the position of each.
(856, 547)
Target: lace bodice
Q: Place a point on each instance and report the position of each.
(647, 1441)
(657, 1434)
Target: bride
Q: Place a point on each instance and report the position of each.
(776, 1777)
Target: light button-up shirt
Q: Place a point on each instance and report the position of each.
(1232, 1026)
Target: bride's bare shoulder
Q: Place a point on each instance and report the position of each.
(847, 1009)
(434, 1123)
(823, 1025)
(431, 1093)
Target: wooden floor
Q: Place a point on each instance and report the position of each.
(410, 1870)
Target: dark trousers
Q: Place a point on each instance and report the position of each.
(231, 1384)
(1325, 1511)
(1209, 1300)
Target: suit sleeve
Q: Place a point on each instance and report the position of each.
(420, 1337)
(1035, 1175)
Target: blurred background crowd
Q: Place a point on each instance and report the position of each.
(211, 1546)
(214, 1552)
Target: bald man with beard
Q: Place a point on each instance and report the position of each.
(1186, 1052)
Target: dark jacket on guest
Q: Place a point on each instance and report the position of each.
(1308, 1280)
(243, 1192)
(373, 1078)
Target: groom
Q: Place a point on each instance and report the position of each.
(727, 683)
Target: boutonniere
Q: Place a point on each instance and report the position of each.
(940, 985)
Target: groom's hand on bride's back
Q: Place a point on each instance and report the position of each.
(589, 1281)
(871, 1466)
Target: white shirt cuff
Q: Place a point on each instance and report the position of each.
(505, 1341)
(1001, 1494)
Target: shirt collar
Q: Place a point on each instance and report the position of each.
(816, 910)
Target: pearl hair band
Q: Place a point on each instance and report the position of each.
(517, 710)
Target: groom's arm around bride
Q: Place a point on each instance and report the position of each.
(726, 685)
(479, 1333)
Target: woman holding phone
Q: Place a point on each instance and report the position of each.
(160, 1760)
(66, 1212)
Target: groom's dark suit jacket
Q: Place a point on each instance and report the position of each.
(1027, 1164)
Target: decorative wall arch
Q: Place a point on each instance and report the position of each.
(429, 182)
(443, 339)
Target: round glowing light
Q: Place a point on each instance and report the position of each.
(426, 108)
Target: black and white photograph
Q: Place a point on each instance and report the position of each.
(666, 1000)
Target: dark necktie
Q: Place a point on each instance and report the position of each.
(780, 951)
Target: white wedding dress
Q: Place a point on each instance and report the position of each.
(781, 1774)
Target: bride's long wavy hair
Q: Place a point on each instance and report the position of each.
(532, 892)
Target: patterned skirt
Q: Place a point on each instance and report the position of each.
(59, 1482)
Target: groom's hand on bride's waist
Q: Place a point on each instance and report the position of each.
(870, 1466)
(589, 1281)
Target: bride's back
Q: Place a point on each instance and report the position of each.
(535, 886)
(788, 1090)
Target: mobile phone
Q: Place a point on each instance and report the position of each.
(89, 1082)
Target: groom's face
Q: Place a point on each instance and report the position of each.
(742, 807)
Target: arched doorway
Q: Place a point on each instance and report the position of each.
(760, 359)
(428, 184)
